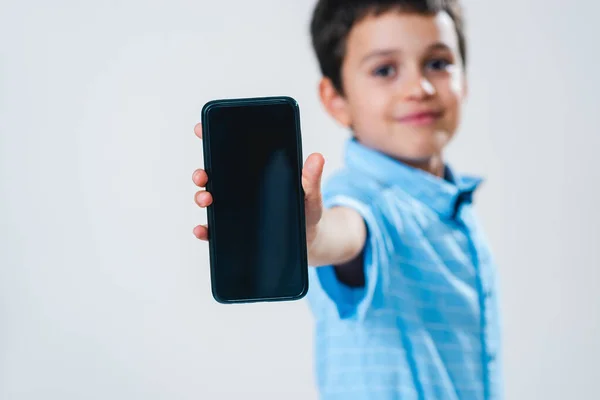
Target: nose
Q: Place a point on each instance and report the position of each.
(416, 86)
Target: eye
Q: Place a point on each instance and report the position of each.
(438, 64)
(385, 71)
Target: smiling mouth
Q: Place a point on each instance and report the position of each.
(420, 118)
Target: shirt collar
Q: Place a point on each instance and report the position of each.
(445, 196)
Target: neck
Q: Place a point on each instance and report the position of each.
(434, 165)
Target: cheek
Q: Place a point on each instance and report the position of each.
(457, 84)
(451, 93)
(368, 107)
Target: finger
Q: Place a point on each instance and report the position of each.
(201, 232)
(198, 130)
(311, 174)
(200, 177)
(311, 183)
(203, 198)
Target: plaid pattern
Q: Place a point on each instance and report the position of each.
(426, 324)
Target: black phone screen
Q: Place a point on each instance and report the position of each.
(256, 222)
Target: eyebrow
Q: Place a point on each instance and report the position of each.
(379, 53)
(391, 52)
(438, 46)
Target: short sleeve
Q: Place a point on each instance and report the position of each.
(347, 302)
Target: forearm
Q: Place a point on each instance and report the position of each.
(340, 237)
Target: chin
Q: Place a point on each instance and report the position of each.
(421, 143)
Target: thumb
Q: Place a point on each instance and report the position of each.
(311, 183)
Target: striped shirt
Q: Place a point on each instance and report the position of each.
(426, 323)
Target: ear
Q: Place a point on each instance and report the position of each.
(335, 104)
(465, 88)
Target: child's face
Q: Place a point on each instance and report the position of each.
(403, 83)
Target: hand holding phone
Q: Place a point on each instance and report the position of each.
(264, 207)
(311, 184)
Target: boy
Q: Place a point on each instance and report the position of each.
(403, 288)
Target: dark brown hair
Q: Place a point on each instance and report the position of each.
(333, 20)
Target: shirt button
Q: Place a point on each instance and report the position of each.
(490, 358)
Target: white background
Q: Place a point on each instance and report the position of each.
(104, 292)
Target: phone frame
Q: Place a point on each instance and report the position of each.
(254, 101)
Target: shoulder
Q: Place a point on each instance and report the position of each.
(359, 187)
(352, 184)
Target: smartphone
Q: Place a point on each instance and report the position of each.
(256, 224)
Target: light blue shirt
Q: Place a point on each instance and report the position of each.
(426, 323)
